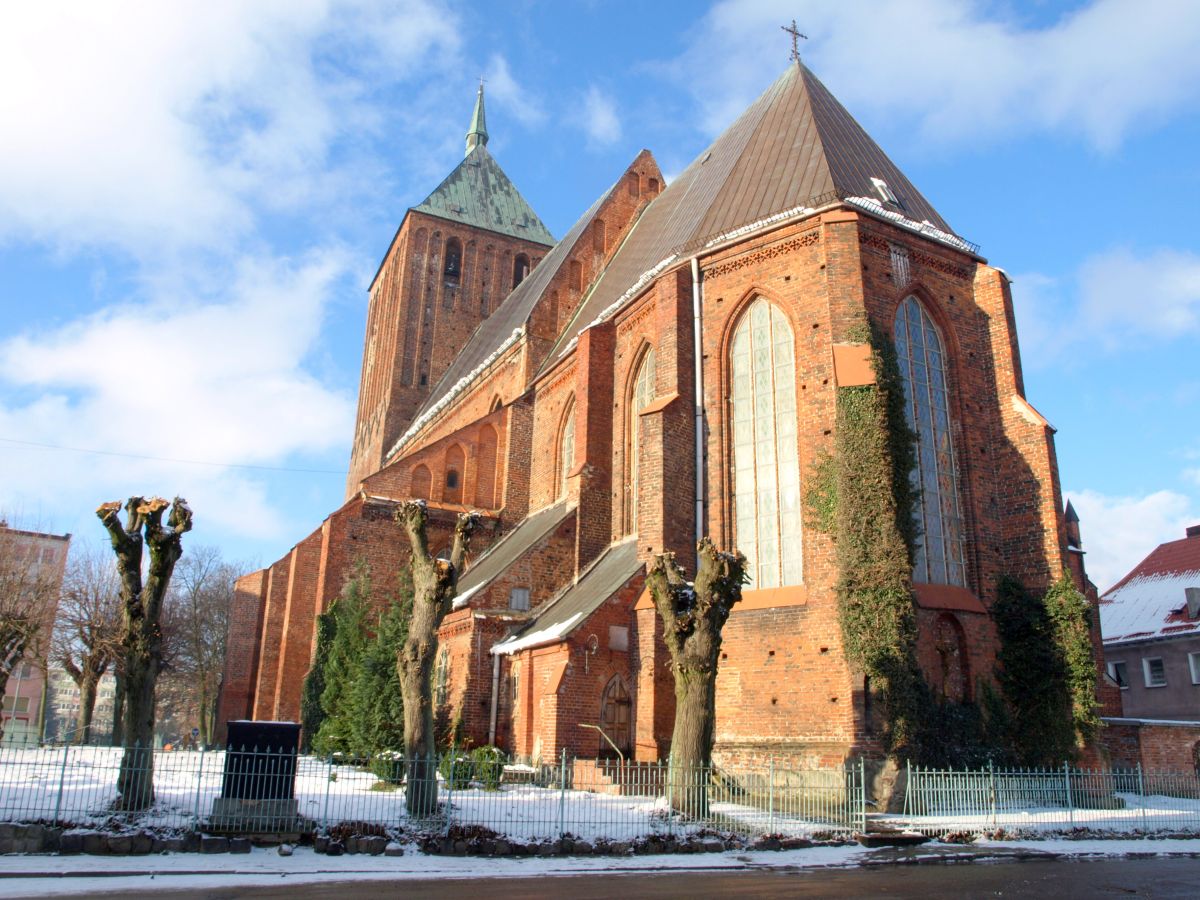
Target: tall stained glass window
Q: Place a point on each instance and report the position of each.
(766, 467)
(922, 358)
(643, 393)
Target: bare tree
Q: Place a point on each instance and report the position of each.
(435, 583)
(198, 611)
(693, 616)
(141, 633)
(28, 596)
(88, 627)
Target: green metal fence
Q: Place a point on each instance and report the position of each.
(269, 792)
(1124, 801)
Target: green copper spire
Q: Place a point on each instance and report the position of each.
(478, 134)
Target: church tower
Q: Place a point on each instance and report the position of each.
(454, 258)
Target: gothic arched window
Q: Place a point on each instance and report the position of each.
(454, 253)
(922, 358)
(766, 465)
(566, 448)
(642, 394)
(520, 268)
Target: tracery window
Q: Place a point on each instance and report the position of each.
(922, 358)
(643, 393)
(566, 449)
(766, 466)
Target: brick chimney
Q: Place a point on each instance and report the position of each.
(1193, 531)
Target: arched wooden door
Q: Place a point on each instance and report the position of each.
(615, 718)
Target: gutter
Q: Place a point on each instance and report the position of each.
(698, 397)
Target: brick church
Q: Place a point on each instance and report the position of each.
(668, 368)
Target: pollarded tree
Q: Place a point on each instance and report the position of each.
(434, 585)
(141, 644)
(87, 629)
(693, 616)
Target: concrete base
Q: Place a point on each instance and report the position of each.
(255, 816)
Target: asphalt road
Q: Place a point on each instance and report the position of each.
(1056, 879)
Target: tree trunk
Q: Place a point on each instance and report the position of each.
(87, 707)
(435, 582)
(135, 781)
(693, 617)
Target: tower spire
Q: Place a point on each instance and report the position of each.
(478, 132)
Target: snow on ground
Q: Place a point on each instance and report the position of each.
(187, 783)
(44, 876)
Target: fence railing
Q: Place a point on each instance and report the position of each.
(253, 791)
(938, 801)
(266, 791)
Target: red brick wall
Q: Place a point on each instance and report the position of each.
(418, 320)
(272, 638)
(295, 655)
(1157, 748)
(240, 676)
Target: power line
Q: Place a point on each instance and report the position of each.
(187, 462)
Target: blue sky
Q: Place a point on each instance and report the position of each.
(194, 196)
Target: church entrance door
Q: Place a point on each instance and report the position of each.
(615, 717)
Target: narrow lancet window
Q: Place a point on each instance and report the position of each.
(922, 358)
(766, 468)
(643, 393)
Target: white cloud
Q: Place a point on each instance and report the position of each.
(962, 71)
(151, 125)
(599, 118)
(1114, 297)
(1156, 295)
(1118, 532)
(511, 96)
(183, 378)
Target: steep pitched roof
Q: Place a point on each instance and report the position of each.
(1150, 601)
(478, 193)
(560, 616)
(509, 549)
(795, 147)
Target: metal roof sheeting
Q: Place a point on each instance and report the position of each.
(560, 616)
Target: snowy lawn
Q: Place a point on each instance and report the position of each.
(78, 786)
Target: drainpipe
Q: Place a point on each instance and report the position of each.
(698, 354)
(495, 696)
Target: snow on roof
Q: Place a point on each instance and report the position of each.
(1150, 601)
(926, 228)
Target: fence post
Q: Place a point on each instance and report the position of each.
(328, 779)
(1067, 782)
(453, 770)
(771, 796)
(862, 792)
(1142, 798)
(992, 788)
(62, 778)
(199, 784)
(562, 795)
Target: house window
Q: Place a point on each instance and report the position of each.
(1154, 671)
(766, 468)
(643, 393)
(922, 359)
(520, 268)
(441, 678)
(1194, 665)
(566, 451)
(1118, 673)
(901, 270)
(618, 637)
(453, 267)
(518, 599)
(885, 192)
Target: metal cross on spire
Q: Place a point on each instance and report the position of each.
(796, 35)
